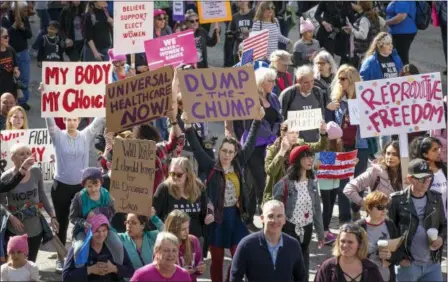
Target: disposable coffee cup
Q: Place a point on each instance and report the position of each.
(383, 246)
(432, 234)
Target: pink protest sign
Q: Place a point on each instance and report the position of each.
(171, 50)
(400, 105)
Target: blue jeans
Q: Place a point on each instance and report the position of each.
(24, 62)
(88, 55)
(44, 21)
(419, 272)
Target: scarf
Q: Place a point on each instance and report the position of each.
(131, 249)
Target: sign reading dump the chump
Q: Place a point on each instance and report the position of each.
(132, 178)
(138, 99)
(219, 94)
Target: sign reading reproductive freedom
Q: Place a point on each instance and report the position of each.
(41, 146)
(132, 178)
(74, 89)
(214, 11)
(218, 94)
(174, 49)
(138, 99)
(400, 105)
(133, 24)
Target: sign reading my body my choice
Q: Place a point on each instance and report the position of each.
(219, 94)
(400, 105)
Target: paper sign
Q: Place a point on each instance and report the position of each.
(138, 99)
(40, 143)
(178, 11)
(218, 94)
(400, 105)
(214, 11)
(304, 120)
(174, 49)
(74, 89)
(132, 176)
(133, 24)
(353, 110)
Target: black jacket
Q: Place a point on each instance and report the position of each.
(402, 212)
(203, 40)
(328, 272)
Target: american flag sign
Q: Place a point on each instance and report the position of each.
(335, 165)
(247, 57)
(258, 42)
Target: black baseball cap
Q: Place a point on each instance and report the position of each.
(419, 168)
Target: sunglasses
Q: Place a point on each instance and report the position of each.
(381, 207)
(176, 174)
(342, 78)
(5, 36)
(422, 180)
(193, 21)
(120, 64)
(161, 19)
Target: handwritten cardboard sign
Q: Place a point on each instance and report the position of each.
(214, 11)
(400, 105)
(132, 176)
(304, 119)
(138, 99)
(40, 143)
(133, 24)
(74, 89)
(218, 94)
(353, 111)
(173, 49)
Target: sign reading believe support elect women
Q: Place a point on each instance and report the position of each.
(400, 105)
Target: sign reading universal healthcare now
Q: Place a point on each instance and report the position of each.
(400, 105)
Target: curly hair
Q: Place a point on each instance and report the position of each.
(420, 146)
(146, 132)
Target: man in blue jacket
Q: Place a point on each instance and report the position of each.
(269, 255)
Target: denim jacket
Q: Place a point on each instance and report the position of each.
(361, 143)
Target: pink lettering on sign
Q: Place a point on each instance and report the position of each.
(401, 105)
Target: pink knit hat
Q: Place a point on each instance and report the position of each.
(115, 58)
(98, 220)
(18, 243)
(306, 25)
(333, 131)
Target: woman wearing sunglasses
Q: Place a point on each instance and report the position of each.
(379, 227)
(121, 70)
(8, 65)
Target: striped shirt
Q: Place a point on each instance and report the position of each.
(275, 36)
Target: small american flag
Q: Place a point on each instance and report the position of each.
(336, 165)
(259, 43)
(247, 57)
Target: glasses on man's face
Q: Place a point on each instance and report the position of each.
(422, 180)
(176, 174)
(227, 152)
(193, 21)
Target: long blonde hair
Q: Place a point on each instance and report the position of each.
(11, 112)
(193, 186)
(173, 224)
(377, 42)
(261, 9)
(352, 75)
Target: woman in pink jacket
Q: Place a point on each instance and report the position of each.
(384, 176)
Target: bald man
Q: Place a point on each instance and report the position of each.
(7, 101)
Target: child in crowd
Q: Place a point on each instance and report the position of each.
(190, 253)
(18, 268)
(51, 47)
(306, 47)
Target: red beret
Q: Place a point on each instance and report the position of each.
(296, 152)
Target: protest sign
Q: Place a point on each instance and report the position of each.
(133, 24)
(178, 11)
(74, 89)
(400, 105)
(353, 111)
(304, 119)
(219, 94)
(40, 144)
(132, 178)
(173, 49)
(334, 165)
(214, 11)
(138, 99)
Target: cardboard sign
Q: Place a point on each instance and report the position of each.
(40, 143)
(174, 49)
(133, 24)
(74, 89)
(132, 176)
(138, 99)
(304, 120)
(214, 11)
(400, 105)
(353, 111)
(218, 94)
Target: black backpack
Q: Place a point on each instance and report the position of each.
(422, 15)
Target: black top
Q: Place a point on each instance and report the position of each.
(18, 38)
(387, 66)
(270, 115)
(50, 49)
(342, 274)
(97, 29)
(8, 60)
(202, 40)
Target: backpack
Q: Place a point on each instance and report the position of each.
(422, 15)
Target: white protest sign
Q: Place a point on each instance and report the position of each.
(353, 110)
(133, 24)
(304, 120)
(74, 89)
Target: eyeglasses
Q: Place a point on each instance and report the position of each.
(176, 174)
(422, 180)
(322, 63)
(227, 152)
(342, 78)
(161, 18)
(381, 207)
(193, 21)
(5, 36)
(119, 64)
